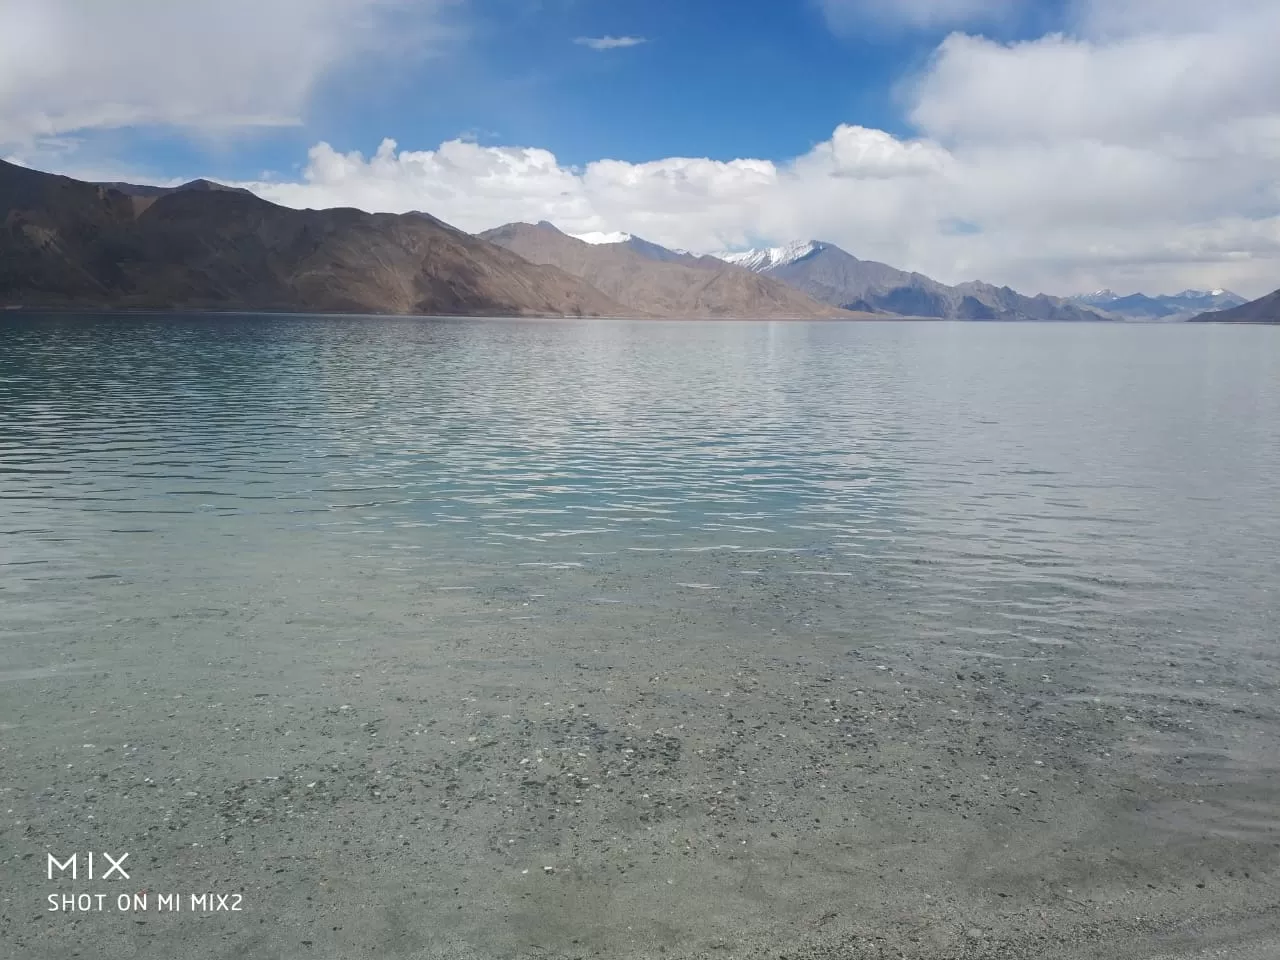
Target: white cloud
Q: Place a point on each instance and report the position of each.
(72, 65)
(861, 153)
(1134, 89)
(1102, 18)
(609, 43)
(1056, 216)
(1039, 214)
(1136, 150)
(466, 183)
(1139, 149)
(847, 15)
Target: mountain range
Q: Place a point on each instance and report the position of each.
(202, 245)
(64, 243)
(651, 250)
(1263, 310)
(654, 281)
(1177, 306)
(831, 275)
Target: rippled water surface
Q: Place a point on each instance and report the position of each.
(987, 481)
(1090, 513)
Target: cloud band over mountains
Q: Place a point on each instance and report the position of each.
(1137, 148)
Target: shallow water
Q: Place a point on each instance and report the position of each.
(990, 482)
(1089, 513)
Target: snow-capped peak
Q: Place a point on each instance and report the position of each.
(1204, 294)
(597, 238)
(770, 257)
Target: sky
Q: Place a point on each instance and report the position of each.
(1057, 146)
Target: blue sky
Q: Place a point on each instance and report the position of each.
(712, 78)
(765, 80)
(1054, 145)
(748, 78)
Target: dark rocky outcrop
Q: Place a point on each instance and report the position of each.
(68, 243)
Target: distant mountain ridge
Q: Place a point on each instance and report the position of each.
(143, 195)
(772, 257)
(1263, 310)
(203, 245)
(828, 273)
(153, 192)
(1177, 306)
(67, 243)
(641, 246)
(655, 281)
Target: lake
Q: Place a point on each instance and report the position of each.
(480, 638)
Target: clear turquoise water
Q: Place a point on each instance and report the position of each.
(396, 559)
(999, 480)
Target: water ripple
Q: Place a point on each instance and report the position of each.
(982, 483)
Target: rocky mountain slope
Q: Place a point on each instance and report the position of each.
(658, 285)
(768, 258)
(827, 273)
(641, 246)
(64, 242)
(1263, 310)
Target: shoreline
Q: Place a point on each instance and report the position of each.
(438, 640)
(867, 318)
(646, 782)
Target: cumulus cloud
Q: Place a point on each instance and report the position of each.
(1100, 18)
(865, 154)
(850, 188)
(1137, 149)
(1135, 89)
(1040, 216)
(74, 65)
(461, 181)
(609, 43)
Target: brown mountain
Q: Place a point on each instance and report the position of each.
(64, 242)
(827, 273)
(702, 287)
(1263, 310)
